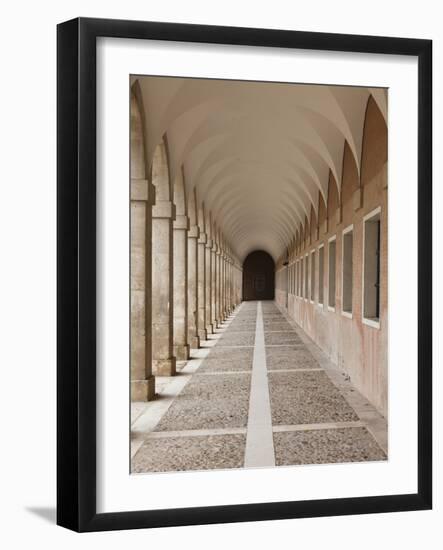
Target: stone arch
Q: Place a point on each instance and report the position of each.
(142, 381)
(333, 205)
(375, 142)
(137, 134)
(313, 226)
(179, 195)
(322, 215)
(163, 216)
(160, 173)
(350, 184)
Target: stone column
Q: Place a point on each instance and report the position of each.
(219, 286)
(224, 286)
(231, 301)
(142, 380)
(227, 286)
(214, 286)
(234, 285)
(180, 284)
(163, 360)
(193, 338)
(201, 262)
(208, 286)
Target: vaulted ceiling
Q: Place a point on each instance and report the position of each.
(257, 153)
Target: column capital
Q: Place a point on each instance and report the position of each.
(142, 190)
(181, 222)
(208, 243)
(202, 239)
(164, 209)
(194, 232)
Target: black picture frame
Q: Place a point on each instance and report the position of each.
(76, 268)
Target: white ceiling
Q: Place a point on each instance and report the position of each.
(257, 153)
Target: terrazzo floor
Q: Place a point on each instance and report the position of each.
(260, 393)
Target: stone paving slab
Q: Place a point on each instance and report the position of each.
(244, 327)
(220, 360)
(209, 402)
(326, 447)
(190, 453)
(278, 327)
(278, 338)
(246, 316)
(306, 398)
(244, 338)
(290, 357)
(236, 329)
(242, 324)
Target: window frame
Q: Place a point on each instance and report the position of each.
(330, 240)
(348, 229)
(321, 304)
(365, 320)
(312, 262)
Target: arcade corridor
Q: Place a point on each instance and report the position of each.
(259, 273)
(257, 394)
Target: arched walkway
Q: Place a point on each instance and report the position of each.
(259, 322)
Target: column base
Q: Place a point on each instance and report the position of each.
(181, 352)
(143, 390)
(194, 342)
(164, 367)
(209, 329)
(202, 334)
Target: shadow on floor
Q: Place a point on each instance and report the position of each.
(46, 513)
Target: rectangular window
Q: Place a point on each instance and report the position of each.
(302, 271)
(296, 277)
(312, 275)
(331, 274)
(347, 270)
(371, 271)
(299, 278)
(306, 277)
(321, 273)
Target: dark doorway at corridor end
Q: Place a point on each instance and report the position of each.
(258, 276)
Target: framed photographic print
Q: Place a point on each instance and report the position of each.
(244, 274)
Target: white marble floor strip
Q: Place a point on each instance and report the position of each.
(259, 450)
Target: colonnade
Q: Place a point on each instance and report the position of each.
(185, 279)
(218, 173)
